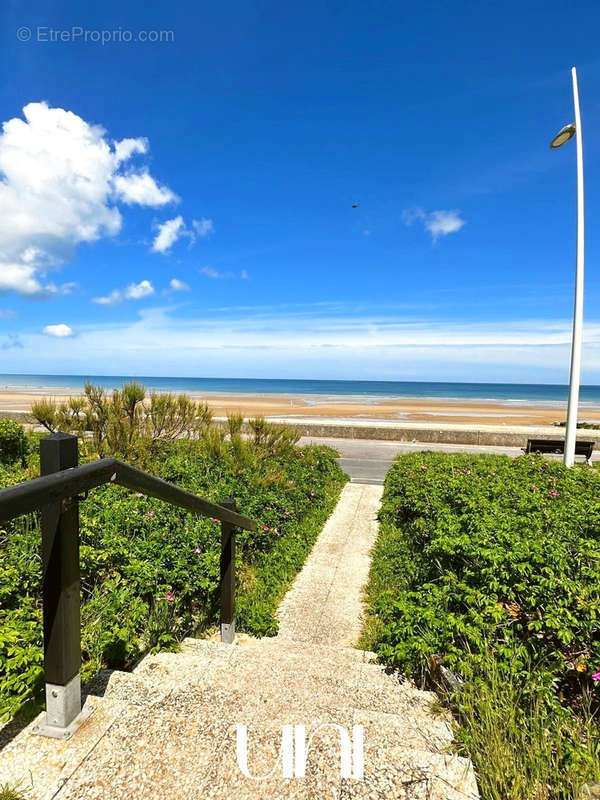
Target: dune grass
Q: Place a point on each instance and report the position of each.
(8, 792)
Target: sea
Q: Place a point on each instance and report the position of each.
(540, 393)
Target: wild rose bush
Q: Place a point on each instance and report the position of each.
(150, 571)
(485, 585)
(492, 555)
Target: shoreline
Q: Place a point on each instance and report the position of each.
(340, 390)
(373, 408)
(60, 392)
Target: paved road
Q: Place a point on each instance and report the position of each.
(368, 460)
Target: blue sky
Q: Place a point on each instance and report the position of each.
(184, 207)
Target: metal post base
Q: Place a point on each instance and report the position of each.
(63, 710)
(52, 732)
(228, 632)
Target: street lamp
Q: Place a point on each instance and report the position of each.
(561, 137)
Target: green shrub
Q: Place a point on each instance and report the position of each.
(487, 565)
(13, 443)
(8, 792)
(125, 423)
(150, 571)
(580, 424)
(21, 657)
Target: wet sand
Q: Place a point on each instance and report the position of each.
(363, 408)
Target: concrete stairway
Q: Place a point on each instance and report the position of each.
(169, 728)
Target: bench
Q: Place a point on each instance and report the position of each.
(582, 448)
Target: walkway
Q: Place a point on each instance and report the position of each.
(368, 460)
(324, 606)
(169, 728)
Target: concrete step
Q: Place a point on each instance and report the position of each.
(272, 662)
(182, 739)
(322, 650)
(170, 727)
(285, 679)
(185, 749)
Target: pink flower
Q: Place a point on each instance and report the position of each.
(533, 487)
(287, 513)
(170, 597)
(266, 528)
(276, 531)
(596, 676)
(268, 508)
(423, 467)
(197, 551)
(149, 514)
(214, 520)
(553, 493)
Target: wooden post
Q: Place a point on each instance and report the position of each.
(227, 583)
(60, 593)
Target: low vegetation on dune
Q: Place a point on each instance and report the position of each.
(485, 585)
(150, 571)
(126, 422)
(580, 424)
(8, 792)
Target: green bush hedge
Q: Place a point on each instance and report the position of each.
(491, 566)
(13, 443)
(150, 572)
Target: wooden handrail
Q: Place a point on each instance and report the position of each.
(38, 492)
(62, 479)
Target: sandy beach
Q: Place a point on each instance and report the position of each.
(357, 407)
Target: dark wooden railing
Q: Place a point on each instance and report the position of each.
(57, 495)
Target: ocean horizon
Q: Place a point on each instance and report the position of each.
(499, 392)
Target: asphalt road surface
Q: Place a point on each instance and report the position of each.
(368, 460)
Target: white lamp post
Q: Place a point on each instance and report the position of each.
(566, 133)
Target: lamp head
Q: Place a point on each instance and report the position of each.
(563, 135)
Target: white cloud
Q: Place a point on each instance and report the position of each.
(59, 331)
(441, 223)
(167, 235)
(135, 291)
(113, 299)
(203, 227)
(437, 223)
(129, 147)
(60, 179)
(317, 341)
(21, 278)
(173, 229)
(211, 272)
(140, 188)
(178, 286)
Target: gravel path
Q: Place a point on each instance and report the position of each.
(324, 606)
